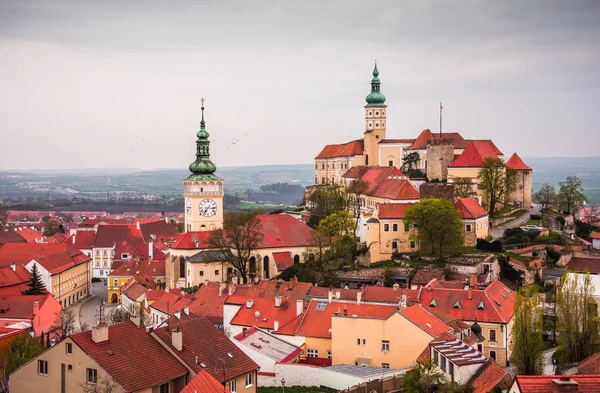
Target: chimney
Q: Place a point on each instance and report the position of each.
(231, 289)
(403, 302)
(36, 308)
(470, 294)
(177, 314)
(137, 225)
(330, 295)
(177, 339)
(396, 286)
(277, 301)
(256, 280)
(206, 282)
(100, 333)
(299, 307)
(293, 282)
(345, 311)
(249, 303)
(150, 250)
(13, 267)
(186, 310)
(337, 294)
(275, 325)
(167, 289)
(564, 385)
(358, 296)
(222, 287)
(73, 237)
(167, 220)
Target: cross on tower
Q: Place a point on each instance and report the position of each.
(202, 102)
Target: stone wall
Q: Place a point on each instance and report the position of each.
(436, 190)
(524, 188)
(439, 156)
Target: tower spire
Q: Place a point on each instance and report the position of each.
(376, 97)
(202, 168)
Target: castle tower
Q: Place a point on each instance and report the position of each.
(440, 154)
(202, 190)
(375, 120)
(523, 191)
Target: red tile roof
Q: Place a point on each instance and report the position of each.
(292, 289)
(111, 235)
(475, 153)
(10, 277)
(63, 260)
(130, 356)
(283, 260)
(596, 236)
(468, 208)
(377, 294)
(170, 303)
(203, 382)
(83, 240)
(317, 321)
(21, 306)
(130, 268)
(425, 320)
(546, 384)
(356, 172)
(590, 365)
(191, 240)
(426, 135)
(11, 236)
(203, 340)
(578, 264)
(497, 301)
(384, 182)
(158, 231)
(283, 230)
(354, 148)
(323, 293)
(135, 291)
(424, 276)
(515, 162)
(393, 210)
(207, 302)
(91, 222)
(396, 141)
(267, 313)
(30, 235)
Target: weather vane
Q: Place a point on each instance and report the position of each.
(202, 101)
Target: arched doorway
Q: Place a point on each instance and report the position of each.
(296, 259)
(266, 267)
(114, 298)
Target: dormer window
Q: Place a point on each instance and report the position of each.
(457, 304)
(433, 303)
(481, 306)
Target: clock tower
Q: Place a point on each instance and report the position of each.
(202, 190)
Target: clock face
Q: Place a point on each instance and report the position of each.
(208, 208)
(188, 207)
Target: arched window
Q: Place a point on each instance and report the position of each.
(252, 267)
(266, 267)
(181, 267)
(296, 258)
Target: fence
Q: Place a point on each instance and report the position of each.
(389, 385)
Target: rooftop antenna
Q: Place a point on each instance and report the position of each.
(441, 107)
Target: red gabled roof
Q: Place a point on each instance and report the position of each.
(203, 382)
(268, 313)
(497, 300)
(283, 260)
(10, 277)
(63, 260)
(475, 153)
(426, 135)
(397, 141)
(207, 302)
(158, 231)
(375, 293)
(596, 236)
(589, 365)
(292, 289)
(192, 240)
(424, 276)
(131, 357)
(425, 320)
(393, 210)
(11, 236)
(169, 303)
(132, 267)
(21, 306)
(578, 264)
(30, 235)
(545, 384)
(204, 344)
(384, 182)
(83, 240)
(468, 208)
(113, 234)
(354, 148)
(23, 253)
(91, 222)
(515, 162)
(283, 230)
(135, 291)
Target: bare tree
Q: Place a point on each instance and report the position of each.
(102, 385)
(464, 187)
(118, 315)
(64, 324)
(355, 190)
(545, 196)
(497, 182)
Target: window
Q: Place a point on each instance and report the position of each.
(249, 379)
(323, 180)
(468, 229)
(312, 353)
(201, 273)
(386, 227)
(385, 346)
(216, 272)
(412, 244)
(364, 342)
(42, 367)
(377, 113)
(115, 283)
(358, 341)
(329, 354)
(69, 348)
(394, 227)
(385, 365)
(451, 370)
(493, 355)
(436, 357)
(493, 335)
(70, 368)
(92, 375)
(390, 163)
(394, 245)
(164, 388)
(230, 385)
(443, 363)
(322, 165)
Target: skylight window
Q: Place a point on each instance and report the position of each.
(433, 303)
(230, 355)
(481, 306)
(321, 305)
(457, 304)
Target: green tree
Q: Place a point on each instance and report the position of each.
(409, 161)
(570, 194)
(337, 225)
(497, 181)
(35, 284)
(464, 187)
(422, 377)
(527, 344)
(325, 201)
(355, 190)
(3, 215)
(439, 226)
(240, 237)
(577, 319)
(52, 227)
(18, 352)
(545, 196)
(388, 277)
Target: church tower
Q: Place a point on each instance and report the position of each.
(375, 120)
(202, 190)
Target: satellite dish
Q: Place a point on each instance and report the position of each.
(257, 314)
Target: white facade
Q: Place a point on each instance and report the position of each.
(596, 244)
(44, 274)
(101, 261)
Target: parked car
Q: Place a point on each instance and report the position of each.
(531, 228)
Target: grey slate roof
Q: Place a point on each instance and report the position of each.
(210, 256)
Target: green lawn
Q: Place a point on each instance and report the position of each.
(532, 222)
(296, 389)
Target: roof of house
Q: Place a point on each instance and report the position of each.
(91, 222)
(458, 352)
(204, 342)
(132, 267)
(267, 313)
(23, 253)
(317, 318)
(11, 236)
(426, 135)
(596, 236)
(110, 235)
(203, 382)
(10, 277)
(84, 240)
(158, 231)
(515, 162)
(353, 148)
(135, 291)
(475, 153)
(269, 345)
(589, 365)
(397, 141)
(130, 356)
(170, 303)
(210, 256)
(206, 302)
(63, 260)
(21, 306)
(468, 208)
(356, 172)
(30, 235)
(552, 383)
(379, 294)
(393, 210)
(323, 293)
(424, 276)
(283, 260)
(488, 377)
(283, 230)
(578, 264)
(192, 240)
(493, 304)
(292, 289)
(384, 182)
(425, 320)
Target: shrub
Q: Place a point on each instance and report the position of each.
(535, 216)
(553, 255)
(495, 246)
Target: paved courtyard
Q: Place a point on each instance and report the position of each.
(88, 313)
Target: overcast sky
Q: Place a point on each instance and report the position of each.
(93, 84)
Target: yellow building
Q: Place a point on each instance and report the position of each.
(387, 233)
(152, 273)
(475, 219)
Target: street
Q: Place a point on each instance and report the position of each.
(548, 366)
(87, 312)
(498, 231)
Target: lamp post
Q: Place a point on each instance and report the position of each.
(283, 385)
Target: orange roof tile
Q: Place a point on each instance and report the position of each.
(384, 182)
(192, 240)
(203, 382)
(515, 162)
(268, 313)
(354, 148)
(488, 377)
(475, 153)
(468, 208)
(393, 210)
(425, 320)
(426, 135)
(283, 260)
(546, 384)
